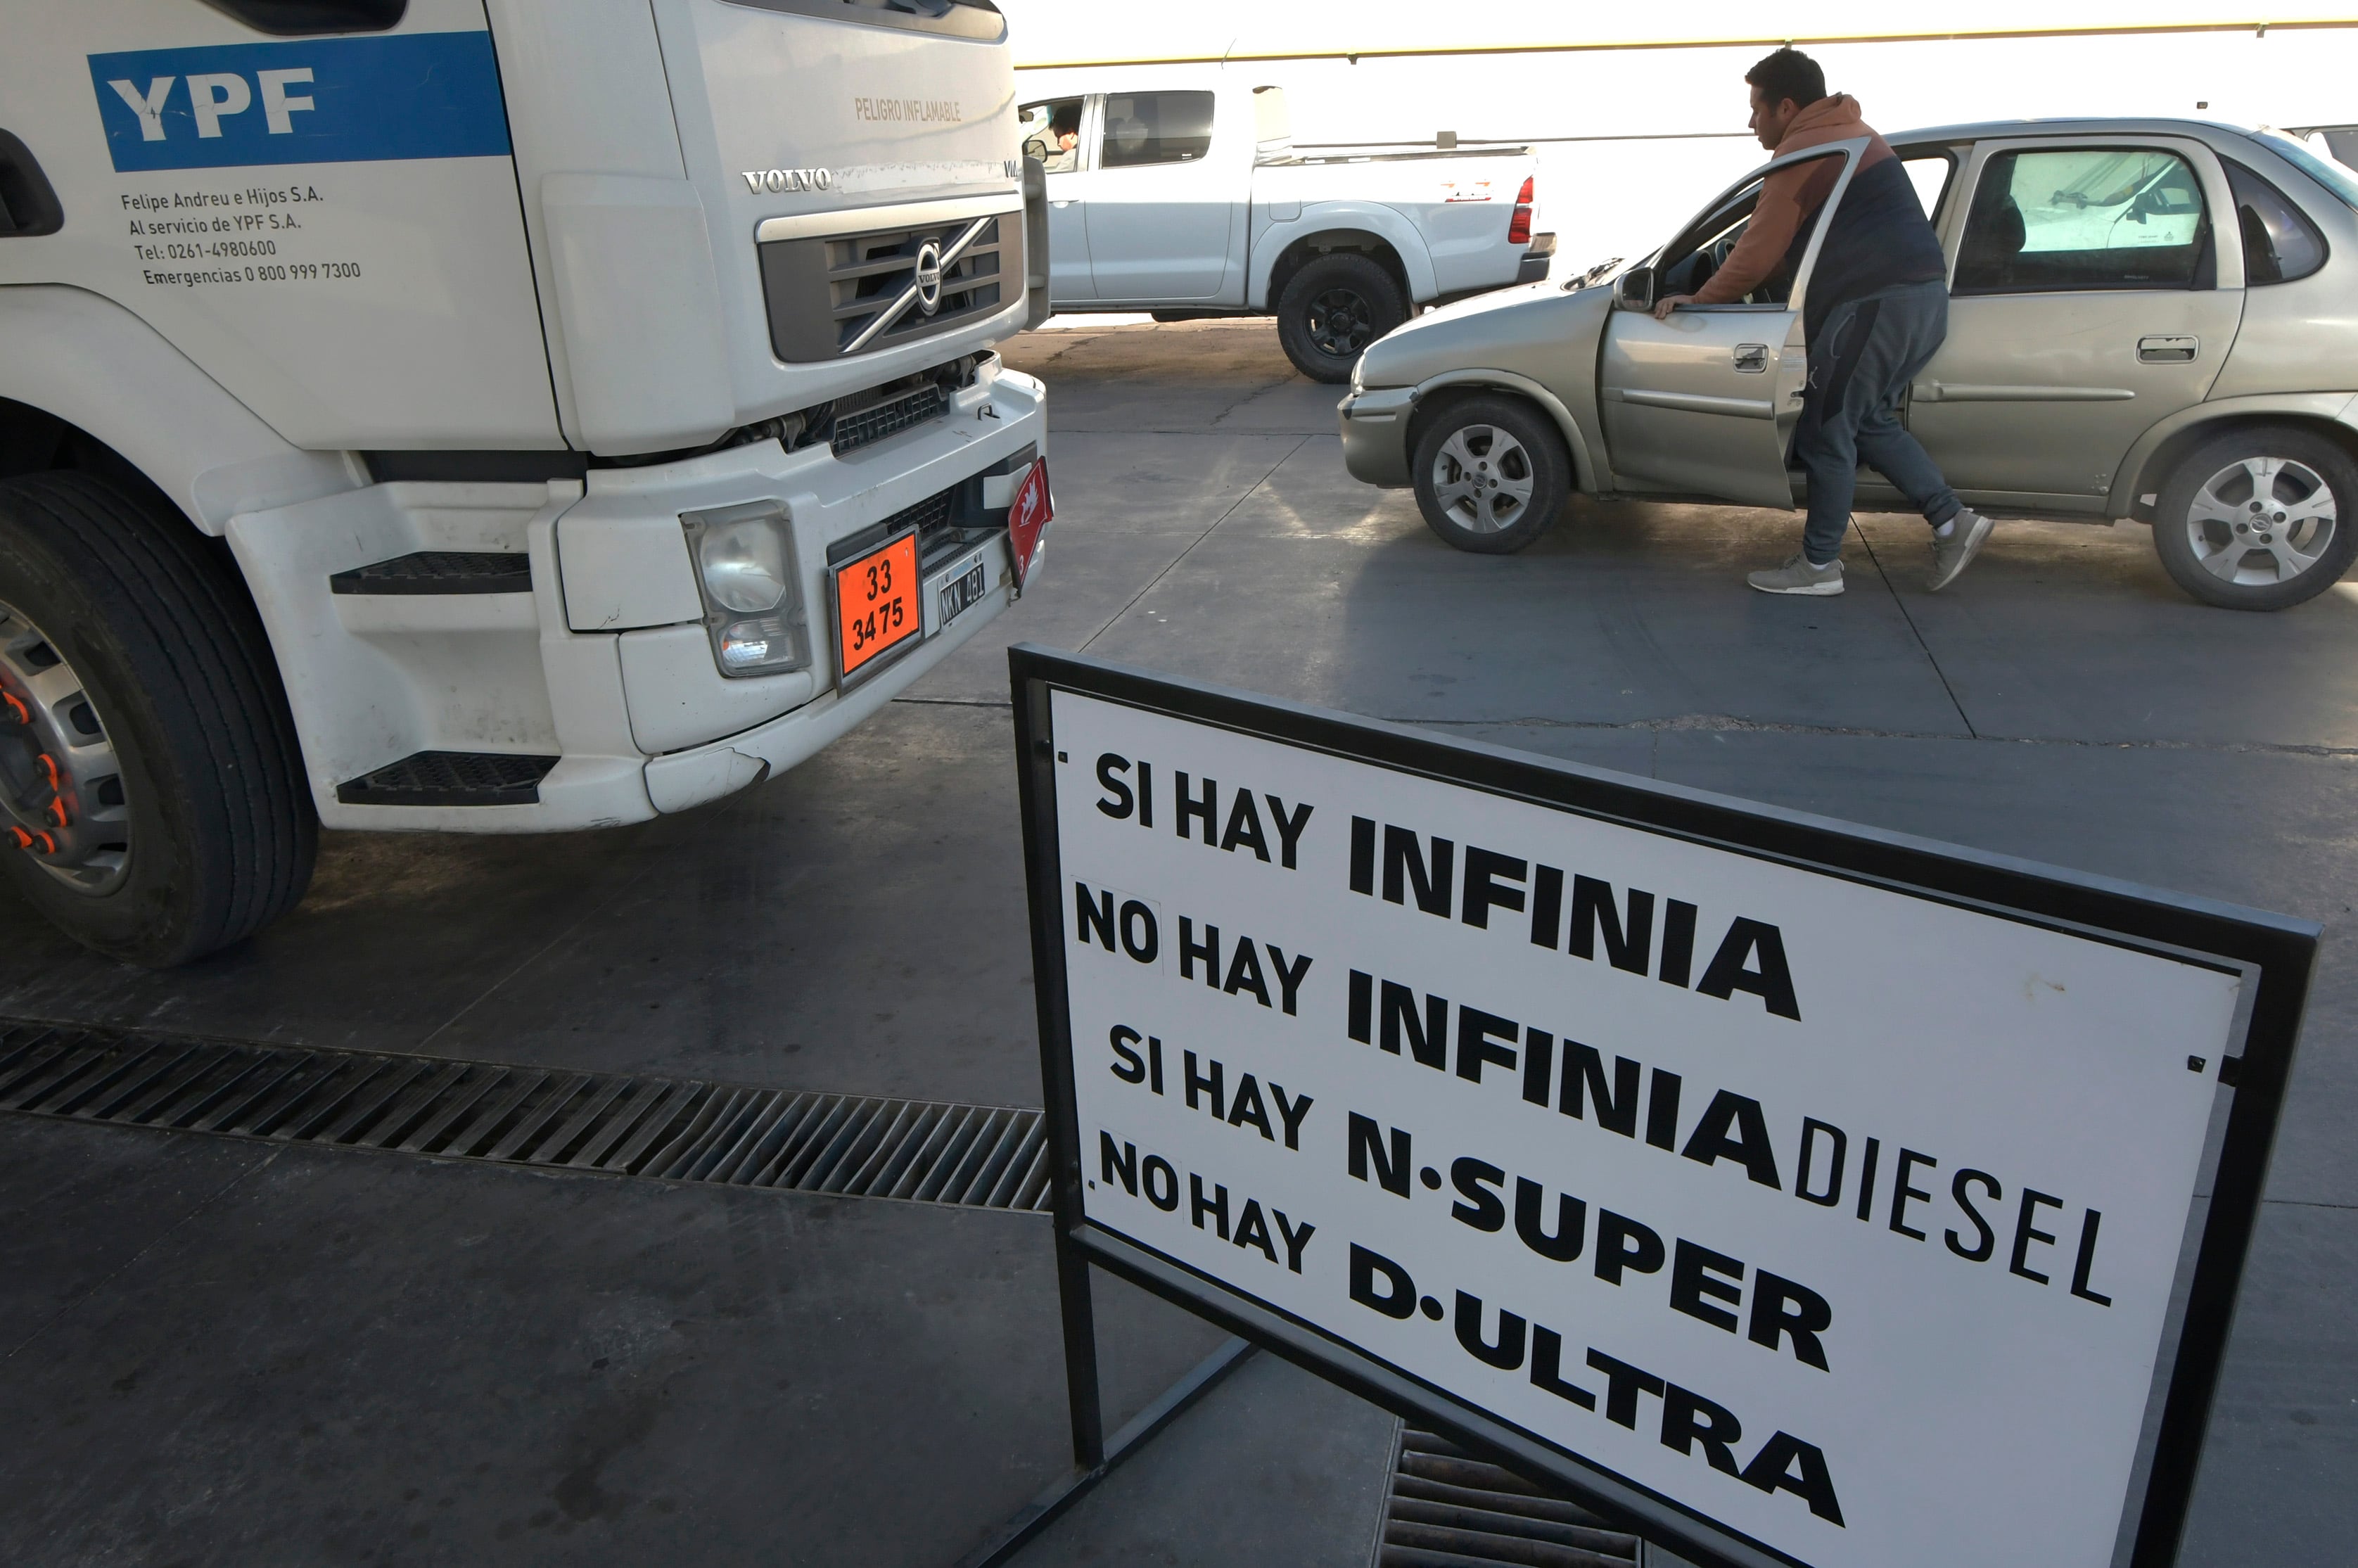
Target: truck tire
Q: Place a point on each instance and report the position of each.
(1332, 309)
(180, 821)
(1491, 472)
(2263, 518)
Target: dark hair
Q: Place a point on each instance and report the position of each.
(1067, 118)
(1789, 73)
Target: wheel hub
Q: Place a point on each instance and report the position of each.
(2260, 521)
(61, 796)
(1341, 323)
(1483, 479)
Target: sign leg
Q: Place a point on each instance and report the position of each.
(1080, 1353)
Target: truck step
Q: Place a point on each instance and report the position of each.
(452, 778)
(441, 571)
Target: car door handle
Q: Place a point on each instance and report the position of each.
(1752, 359)
(2168, 350)
(1068, 201)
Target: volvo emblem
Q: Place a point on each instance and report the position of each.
(774, 181)
(929, 277)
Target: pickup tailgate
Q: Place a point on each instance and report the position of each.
(1461, 204)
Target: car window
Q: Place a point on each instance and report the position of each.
(1052, 133)
(1155, 127)
(2279, 242)
(1689, 260)
(2330, 173)
(2081, 218)
(1928, 173)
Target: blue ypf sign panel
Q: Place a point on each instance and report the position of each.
(411, 95)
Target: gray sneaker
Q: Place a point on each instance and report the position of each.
(1953, 554)
(1798, 576)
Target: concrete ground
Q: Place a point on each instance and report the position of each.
(215, 1352)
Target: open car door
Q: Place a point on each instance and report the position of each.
(1704, 403)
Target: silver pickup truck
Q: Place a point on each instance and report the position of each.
(2148, 318)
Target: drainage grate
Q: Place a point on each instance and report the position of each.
(1449, 1510)
(667, 1129)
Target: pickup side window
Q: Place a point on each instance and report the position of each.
(2279, 242)
(2086, 218)
(1051, 132)
(1155, 127)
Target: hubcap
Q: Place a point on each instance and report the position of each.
(1483, 479)
(1341, 324)
(2261, 521)
(60, 785)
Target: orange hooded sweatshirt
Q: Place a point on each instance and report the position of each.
(1789, 196)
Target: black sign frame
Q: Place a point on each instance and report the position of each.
(2277, 951)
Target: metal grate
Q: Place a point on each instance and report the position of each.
(1449, 1510)
(834, 295)
(450, 778)
(441, 571)
(853, 431)
(667, 1129)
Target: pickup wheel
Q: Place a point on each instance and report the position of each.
(1491, 472)
(1332, 309)
(152, 800)
(2262, 519)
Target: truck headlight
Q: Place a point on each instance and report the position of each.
(753, 599)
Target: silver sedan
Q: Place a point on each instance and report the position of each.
(2148, 318)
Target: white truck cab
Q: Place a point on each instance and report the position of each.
(482, 416)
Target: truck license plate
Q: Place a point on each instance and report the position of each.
(876, 604)
(960, 592)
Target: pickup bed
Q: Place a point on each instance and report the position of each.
(1178, 190)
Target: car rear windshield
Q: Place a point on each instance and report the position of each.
(2341, 181)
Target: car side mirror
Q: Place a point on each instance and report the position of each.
(1636, 290)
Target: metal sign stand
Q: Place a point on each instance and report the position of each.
(1094, 1454)
(2275, 954)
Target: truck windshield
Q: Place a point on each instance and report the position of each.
(977, 20)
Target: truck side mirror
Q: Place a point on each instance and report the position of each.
(1636, 290)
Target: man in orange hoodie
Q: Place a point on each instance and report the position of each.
(1876, 311)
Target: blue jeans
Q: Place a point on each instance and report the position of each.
(1861, 362)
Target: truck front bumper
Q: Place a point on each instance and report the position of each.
(603, 673)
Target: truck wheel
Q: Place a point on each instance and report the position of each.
(1332, 309)
(2261, 519)
(1490, 473)
(152, 800)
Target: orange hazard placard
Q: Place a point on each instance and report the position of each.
(876, 603)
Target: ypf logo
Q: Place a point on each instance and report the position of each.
(929, 277)
(367, 100)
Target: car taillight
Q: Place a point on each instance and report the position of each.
(1518, 227)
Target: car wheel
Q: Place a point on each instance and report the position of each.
(2261, 519)
(152, 799)
(1332, 309)
(1491, 472)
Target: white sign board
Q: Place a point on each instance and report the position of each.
(1805, 1217)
